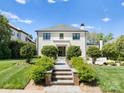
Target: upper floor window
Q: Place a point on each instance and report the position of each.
(26, 39)
(46, 36)
(13, 33)
(19, 35)
(61, 35)
(76, 36)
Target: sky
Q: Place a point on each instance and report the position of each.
(98, 15)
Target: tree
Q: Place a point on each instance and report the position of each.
(5, 36)
(100, 36)
(5, 31)
(5, 52)
(15, 47)
(108, 37)
(27, 51)
(94, 53)
(73, 51)
(92, 37)
(120, 48)
(50, 51)
(110, 51)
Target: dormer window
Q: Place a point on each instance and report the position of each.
(61, 36)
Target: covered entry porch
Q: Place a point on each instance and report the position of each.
(62, 46)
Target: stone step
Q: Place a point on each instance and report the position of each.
(59, 63)
(63, 82)
(62, 77)
(62, 73)
(61, 69)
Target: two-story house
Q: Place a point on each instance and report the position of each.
(18, 34)
(62, 37)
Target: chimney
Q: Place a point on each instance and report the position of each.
(82, 27)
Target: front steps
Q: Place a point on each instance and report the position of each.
(62, 74)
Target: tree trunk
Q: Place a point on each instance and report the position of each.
(94, 60)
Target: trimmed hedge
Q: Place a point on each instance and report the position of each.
(110, 51)
(15, 47)
(5, 52)
(73, 51)
(94, 53)
(42, 65)
(46, 62)
(50, 51)
(38, 73)
(86, 72)
(27, 51)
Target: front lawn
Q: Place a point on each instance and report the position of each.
(111, 78)
(14, 74)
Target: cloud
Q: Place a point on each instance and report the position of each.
(51, 1)
(65, 0)
(21, 1)
(27, 21)
(122, 3)
(89, 27)
(54, 1)
(75, 25)
(106, 19)
(14, 17)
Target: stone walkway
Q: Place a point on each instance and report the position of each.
(61, 64)
(63, 89)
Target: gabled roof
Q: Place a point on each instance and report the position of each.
(18, 29)
(62, 28)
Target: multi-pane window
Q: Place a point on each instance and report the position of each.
(61, 35)
(76, 36)
(46, 36)
(19, 35)
(13, 33)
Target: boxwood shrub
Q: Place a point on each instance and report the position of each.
(38, 73)
(73, 51)
(27, 51)
(46, 62)
(86, 72)
(42, 65)
(50, 51)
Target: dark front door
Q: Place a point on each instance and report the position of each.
(62, 51)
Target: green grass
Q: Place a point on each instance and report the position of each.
(14, 74)
(111, 78)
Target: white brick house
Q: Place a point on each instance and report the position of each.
(62, 36)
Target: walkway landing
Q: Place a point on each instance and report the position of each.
(63, 89)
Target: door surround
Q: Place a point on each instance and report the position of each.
(61, 51)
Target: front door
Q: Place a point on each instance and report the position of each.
(62, 51)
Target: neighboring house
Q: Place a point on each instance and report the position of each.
(111, 41)
(62, 37)
(18, 34)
